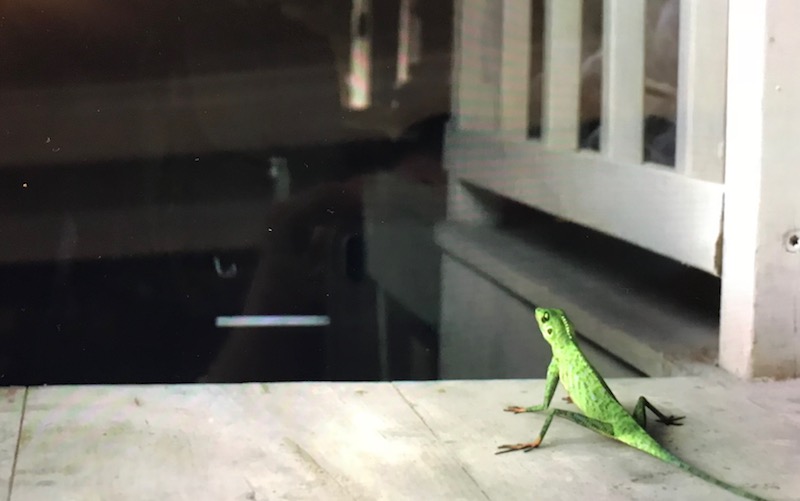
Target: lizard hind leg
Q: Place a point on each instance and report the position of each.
(587, 422)
(640, 415)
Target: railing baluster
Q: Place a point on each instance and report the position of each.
(700, 139)
(515, 49)
(623, 80)
(562, 75)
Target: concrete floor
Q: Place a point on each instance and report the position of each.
(405, 440)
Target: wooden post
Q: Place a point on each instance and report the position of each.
(761, 264)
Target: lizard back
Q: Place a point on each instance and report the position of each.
(584, 385)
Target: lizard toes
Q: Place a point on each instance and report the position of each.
(672, 420)
(516, 447)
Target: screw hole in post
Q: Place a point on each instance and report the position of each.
(792, 241)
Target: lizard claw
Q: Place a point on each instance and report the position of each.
(519, 447)
(515, 409)
(671, 420)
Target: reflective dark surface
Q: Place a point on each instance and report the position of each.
(165, 164)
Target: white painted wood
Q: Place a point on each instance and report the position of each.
(410, 440)
(229, 112)
(402, 256)
(404, 260)
(606, 364)
(11, 403)
(463, 203)
(409, 41)
(515, 68)
(662, 41)
(476, 64)
(623, 80)
(654, 208)
(462, 80)
(608, 309)
(761, 268)
(487, 333)
(359, 79)
(702, 62)
(390, 196)
(562, 74)
(484, 332)
(133, 231)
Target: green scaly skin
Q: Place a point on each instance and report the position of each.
(602, 412)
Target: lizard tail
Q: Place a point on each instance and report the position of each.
(676, 461)
(648, 444)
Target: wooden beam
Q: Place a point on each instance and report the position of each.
(655, 336)
(652, 207)
(761, 265)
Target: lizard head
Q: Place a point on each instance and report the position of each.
(554, 325)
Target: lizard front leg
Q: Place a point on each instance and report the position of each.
(549, 390)
(600, 427)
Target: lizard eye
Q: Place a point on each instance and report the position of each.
(545, 317)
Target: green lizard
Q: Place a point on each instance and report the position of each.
(602, 412)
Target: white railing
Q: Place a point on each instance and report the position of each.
(674, 211)
(735, 94)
